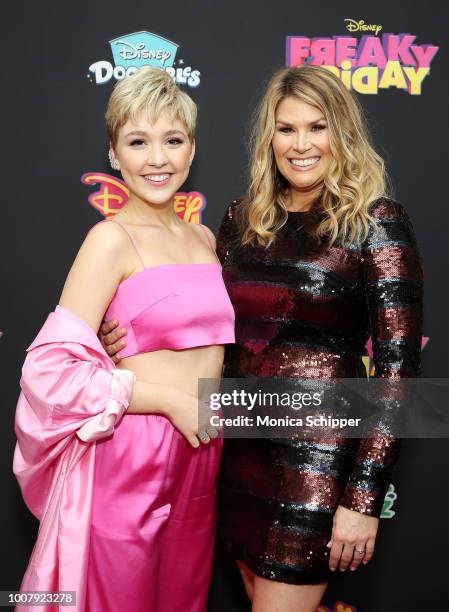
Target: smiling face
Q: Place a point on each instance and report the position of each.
(154, 158)
(301, 146)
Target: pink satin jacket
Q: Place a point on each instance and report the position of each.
(71, 396)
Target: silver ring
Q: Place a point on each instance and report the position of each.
(360, 551)
(204, 438)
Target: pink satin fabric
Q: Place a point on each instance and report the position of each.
(153, 519)
(126, 506)
(164, 307)
(68, 385)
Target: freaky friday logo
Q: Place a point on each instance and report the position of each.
(368, 63)
(113, 194)
(132, 51)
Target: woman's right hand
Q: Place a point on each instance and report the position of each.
(190, 416)
(111, 338)
(187, 413)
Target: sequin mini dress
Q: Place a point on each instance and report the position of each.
(305, 309)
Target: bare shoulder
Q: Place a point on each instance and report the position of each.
(97, 270)
(107, 237)
(210, 235)
(103, 246)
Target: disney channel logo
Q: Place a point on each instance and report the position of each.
(132, 51)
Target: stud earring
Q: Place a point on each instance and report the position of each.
(114, 163)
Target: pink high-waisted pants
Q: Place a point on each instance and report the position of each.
(153, 519)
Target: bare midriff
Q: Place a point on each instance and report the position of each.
(180, 369)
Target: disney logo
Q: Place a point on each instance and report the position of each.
(130, 52)
(361, 26)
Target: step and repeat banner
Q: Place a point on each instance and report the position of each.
(61, 61)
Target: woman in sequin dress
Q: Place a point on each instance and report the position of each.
(316, 258)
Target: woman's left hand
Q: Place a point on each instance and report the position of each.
(352, 533)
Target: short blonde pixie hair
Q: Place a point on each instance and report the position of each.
(152, 90)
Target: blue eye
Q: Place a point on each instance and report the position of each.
(320, 127)
(175, 141)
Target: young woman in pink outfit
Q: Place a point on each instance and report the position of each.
(112, 460)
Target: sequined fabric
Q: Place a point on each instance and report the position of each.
(305, 309)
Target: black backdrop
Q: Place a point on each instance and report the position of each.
(53, 132)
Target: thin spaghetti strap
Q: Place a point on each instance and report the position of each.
(206, 234)
(208, 240)
(132, 241)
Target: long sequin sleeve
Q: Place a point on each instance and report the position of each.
(393, 284)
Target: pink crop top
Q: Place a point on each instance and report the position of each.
(172, 306)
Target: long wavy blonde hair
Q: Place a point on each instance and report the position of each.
(356, 176)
